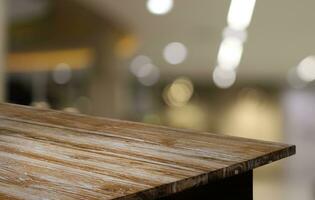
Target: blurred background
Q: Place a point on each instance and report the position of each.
(238, 67)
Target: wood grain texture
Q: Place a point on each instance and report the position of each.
(46, 154)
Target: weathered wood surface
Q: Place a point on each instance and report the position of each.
(47, 154)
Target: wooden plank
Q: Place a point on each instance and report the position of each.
(46, 154)
(234, 187)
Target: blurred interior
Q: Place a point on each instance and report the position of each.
(182, 63)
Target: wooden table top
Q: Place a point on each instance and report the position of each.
(46, 154)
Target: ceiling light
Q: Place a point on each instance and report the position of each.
(240, 13)
(230, 53)
(159, 7)
(239, 34)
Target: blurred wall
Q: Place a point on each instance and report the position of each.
(68, 25)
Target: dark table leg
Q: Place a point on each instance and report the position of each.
(232, 188)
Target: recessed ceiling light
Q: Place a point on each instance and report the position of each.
(230, 53)
(160, 7)
(240, 13)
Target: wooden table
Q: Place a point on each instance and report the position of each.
(46, 154)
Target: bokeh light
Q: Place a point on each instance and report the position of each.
(306, 69)
(62, 73)
(137, 63)
(175, 53)
(126, 46)
(223, 78)
(240, 13)
(230, 53)
(146, 72)
(179, 92)
(160, 7)
(150, 75)
(232, 33)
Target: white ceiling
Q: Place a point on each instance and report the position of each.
(280, 36)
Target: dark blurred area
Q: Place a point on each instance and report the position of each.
(191, 64)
